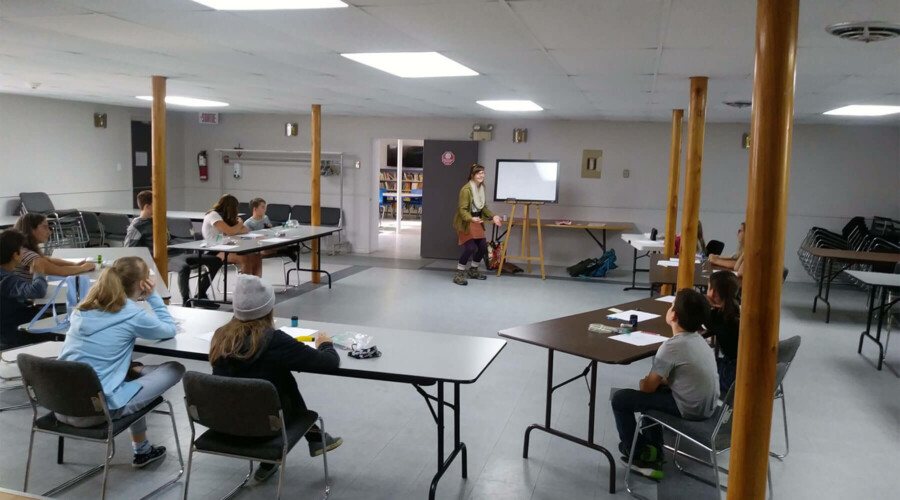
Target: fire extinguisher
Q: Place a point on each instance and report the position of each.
(202, 164)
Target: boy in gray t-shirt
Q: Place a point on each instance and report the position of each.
(258, 220)
(683, 381)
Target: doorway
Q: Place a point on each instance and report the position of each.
(141, 159)
(399, 197)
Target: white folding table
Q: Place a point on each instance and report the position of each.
(641, 242)
(882, 282)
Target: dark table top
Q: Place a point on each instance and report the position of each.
(570, 334)
(854, 256)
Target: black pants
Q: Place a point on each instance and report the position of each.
(627, 402)
(473, 249)
(212, 262)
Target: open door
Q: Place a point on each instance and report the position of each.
(446, 167)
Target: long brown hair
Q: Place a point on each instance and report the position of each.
(474, 170)
(726, 285)
(26, 224)
(229, 340)
(115, 285)
(227, 206)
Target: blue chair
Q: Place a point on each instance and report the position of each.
(416, 202)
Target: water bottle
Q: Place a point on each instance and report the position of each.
(295, 321)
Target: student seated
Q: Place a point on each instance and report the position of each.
(140, 234)
(249, 346)
(724, 323)
(736, 261)
(259, 219)
(222, 220)
(102, 334)
(37, 232)
(16, 292)
(681, 382)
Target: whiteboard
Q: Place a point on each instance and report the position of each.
(527, 180)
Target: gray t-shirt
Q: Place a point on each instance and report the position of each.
(255, 225)
(690, 367)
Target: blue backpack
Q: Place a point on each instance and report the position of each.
(75, 286)
(601, 266)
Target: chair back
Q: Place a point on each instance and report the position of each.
(278, 213)
(180, 229)
(244, 209)
(330, 216)
(787, 349)
(65, 387)
(302, 214)
(115, 225)
(237, 406)
(92, 225)
(715, 247)
(36, 202)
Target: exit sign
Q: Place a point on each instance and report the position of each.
(209, 118)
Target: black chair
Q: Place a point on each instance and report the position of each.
(278, 213)
(244, 210)
(301, 213)
(115, 226)
(73, 389)
(245, 420)
(68, 227)
(787, 349)
(96, 237)
(715, 247)
(332, 217)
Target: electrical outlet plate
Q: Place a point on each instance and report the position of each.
(626, 173)
(591, 163)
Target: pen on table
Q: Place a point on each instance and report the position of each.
(305, 338)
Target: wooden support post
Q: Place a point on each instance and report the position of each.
(315, 176)
(693, 171)
(672, 207)
(158, 177)
(770, 160)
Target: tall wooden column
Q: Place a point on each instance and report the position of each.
(158, 177)
(672, 207)
(692, 177)
(315, 176)
(770, 155)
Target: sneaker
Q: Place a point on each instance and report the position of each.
(141, 460)
(315, 446)
(460, 278)
(646, 463)
(265, 471)
(649, 470)
(475, 274)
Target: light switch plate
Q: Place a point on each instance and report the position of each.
(626, 173)
(591, 163)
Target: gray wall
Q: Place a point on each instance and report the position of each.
(52, 146)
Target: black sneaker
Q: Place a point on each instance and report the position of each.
(265, 471)
(141, 460)
(315, 446)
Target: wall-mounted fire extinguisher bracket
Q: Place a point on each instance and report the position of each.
(203, 165)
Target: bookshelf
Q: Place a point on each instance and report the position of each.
(410, 183)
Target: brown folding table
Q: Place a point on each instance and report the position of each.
(848, 257)
(570, 335)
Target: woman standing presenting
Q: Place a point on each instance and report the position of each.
(469, 225)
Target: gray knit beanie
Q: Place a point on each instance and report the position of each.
(253, 298)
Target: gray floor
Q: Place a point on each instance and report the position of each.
(844, 415)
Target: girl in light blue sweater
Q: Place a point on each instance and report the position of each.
(103, 330)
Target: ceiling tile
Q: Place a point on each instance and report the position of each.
(701, 24)
(606, 61)
(716, 62)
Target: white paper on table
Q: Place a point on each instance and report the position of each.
(676, 260)
(76, 260)
(668, 298)
(639, 338)
(277, 240)
(626, 315)
(222, 247)
(665, 263)
(295, 332)
(206, 336)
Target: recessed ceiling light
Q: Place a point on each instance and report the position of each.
(511, 105)
(271, 4)
(864, 110)
(187, 101)
(412, 64)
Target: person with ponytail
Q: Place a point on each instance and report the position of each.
(249, 346)
(724, 323)
(103, 330)
(469, 225)
(37, 231)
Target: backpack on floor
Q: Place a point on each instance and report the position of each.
(604, 264)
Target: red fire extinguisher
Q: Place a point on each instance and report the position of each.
(202, 164)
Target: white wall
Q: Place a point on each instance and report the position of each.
(837, 172)
(52, 146)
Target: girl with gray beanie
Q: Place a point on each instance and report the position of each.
(249, 346)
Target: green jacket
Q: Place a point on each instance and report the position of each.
(463, 215)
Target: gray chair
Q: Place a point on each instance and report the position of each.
(67, 226)
(96, 237)
(278, 213)
(245, 420)
(115, 226)
(71, 388)
(301, 213)
(244, 210)
(787, 349)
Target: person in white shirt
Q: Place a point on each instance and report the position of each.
(222, 221)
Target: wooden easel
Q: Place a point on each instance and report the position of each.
(526, 232)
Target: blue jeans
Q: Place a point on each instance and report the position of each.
(627, 402)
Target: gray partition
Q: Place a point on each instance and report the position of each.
(440, 195)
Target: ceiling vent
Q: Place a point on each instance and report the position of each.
(737, 104)
(865, 31)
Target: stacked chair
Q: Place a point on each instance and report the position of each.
(67, 226)
(883, 236)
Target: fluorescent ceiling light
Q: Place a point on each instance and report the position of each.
(412, 64)
(511, 105)
(187, 101)
(271, 4)
(864, 110)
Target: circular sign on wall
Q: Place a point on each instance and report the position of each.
(448, 158)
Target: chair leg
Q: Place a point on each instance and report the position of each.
(712, 454)
(787, 443)
(283, 465)
(174, 480)
(769, 476)
(187, 477)
(28, 460)
(634, 441)
(238, 487)
(109, 445)
(324, 457)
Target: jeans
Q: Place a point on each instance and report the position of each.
(211, 262)
(627, 402)
(154, 381)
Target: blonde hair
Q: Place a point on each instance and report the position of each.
(115, 285)
(229, 340)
